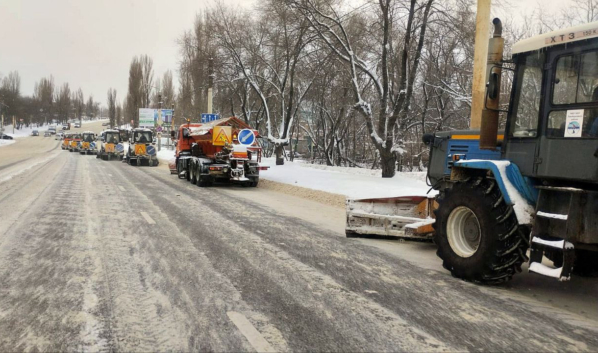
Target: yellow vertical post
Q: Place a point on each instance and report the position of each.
(479, 63)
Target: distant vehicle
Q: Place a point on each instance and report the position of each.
(47, 134)
(105, 124)
(66, 126)
(77, 125)
(59, 136)
(34, 133)
(6, 137)
(52, 130)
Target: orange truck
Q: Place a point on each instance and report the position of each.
(220, 150)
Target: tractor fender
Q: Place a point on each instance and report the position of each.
(517, 190)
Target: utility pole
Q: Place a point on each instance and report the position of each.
(172, 127)
(159, 121)
(210, 83)
(480, 57)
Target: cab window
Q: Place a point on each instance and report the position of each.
(575, 82)
(527, 97)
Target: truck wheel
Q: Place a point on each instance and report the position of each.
(254, 182)
(477, 233)
(193, 173)
(179, 169)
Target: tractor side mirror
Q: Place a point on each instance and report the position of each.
(172, 134)
(493, 88)
(427, 139)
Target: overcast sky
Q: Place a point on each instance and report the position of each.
(90, 43)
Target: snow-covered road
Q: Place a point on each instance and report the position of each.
(102, 256)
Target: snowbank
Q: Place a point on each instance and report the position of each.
(6, 142)
(93, 121)
(350, 182)
(165, 154)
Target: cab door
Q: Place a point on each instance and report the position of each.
(522, 132)
(569, 140)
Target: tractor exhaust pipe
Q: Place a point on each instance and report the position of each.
(489, 126)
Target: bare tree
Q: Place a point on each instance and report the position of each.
(112, 106)
(63, 102)
(393, 89)
(78, 103)
(271, 56)
(135, 95)
(10, 93)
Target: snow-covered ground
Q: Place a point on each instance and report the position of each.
(24, 131)
(351, 182)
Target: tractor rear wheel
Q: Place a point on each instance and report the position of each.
(477, 233)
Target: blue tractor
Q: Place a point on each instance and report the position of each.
(528, 193)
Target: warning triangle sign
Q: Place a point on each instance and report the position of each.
(222, 134)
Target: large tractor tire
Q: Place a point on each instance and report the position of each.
(477, 233)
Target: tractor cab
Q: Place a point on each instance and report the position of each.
(535, 185)
(66, 140)
(111, 146)
(88, 145)
(74, 144)
(141, 149)
(552, 129)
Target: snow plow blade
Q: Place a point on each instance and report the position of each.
(408, 217)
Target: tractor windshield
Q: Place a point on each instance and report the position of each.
(142, 137)
(76, 137)
(112, 138)
(88, 137)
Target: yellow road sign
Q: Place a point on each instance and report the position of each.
(140, 149)
(221, 135)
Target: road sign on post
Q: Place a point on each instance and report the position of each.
(206, 118)
(246, 137)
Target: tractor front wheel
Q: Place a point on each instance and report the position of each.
(477, 233)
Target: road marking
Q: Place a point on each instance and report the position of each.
(121, 188)
(255, 338)
(148, 218)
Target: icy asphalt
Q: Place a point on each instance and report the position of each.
(102, 256)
